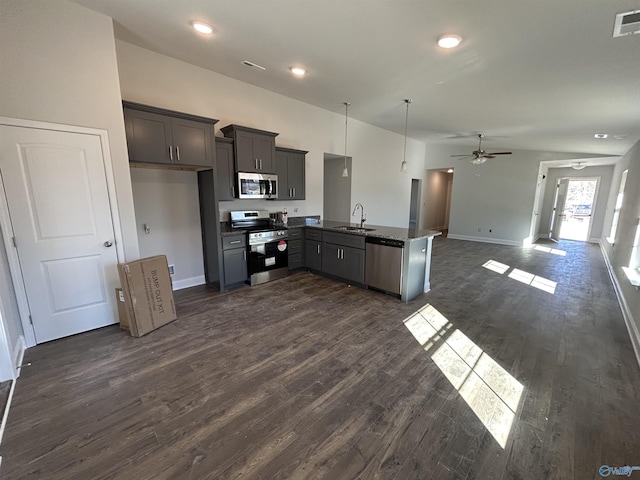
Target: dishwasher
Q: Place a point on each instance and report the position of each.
(383, 264)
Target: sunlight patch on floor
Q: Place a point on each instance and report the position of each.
(489, 390)
(496, 266)
(555, 251)
(534, 280)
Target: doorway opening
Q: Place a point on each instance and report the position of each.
(337, 189)
(573, 209)
(437, 200)
(414, 206)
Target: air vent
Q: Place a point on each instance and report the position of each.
(252, 65)
(627, 23)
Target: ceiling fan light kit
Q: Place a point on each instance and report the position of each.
(578, 165)
(479, 156)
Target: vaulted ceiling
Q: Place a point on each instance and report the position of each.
(537, 75)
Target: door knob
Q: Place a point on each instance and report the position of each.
(108, 243)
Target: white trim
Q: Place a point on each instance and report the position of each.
(18, 354)
(543, 235)
(14, 267)
(594, 240)
(499, 241)
(189, 282)
(632, 328)
(5, 220)
(5, 415)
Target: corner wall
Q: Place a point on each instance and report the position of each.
(618, 254)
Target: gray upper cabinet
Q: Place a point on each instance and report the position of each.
(164, 137)
(290, 168)
(255, 150)
(225, 169)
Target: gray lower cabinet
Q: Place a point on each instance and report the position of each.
(343, 256)
(225, 169)
(290, 168)
(234, 258)
(296, 251)
(313, 249)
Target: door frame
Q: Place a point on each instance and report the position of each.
(7, 227)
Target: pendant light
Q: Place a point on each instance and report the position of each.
(345, 170)
(403, 166)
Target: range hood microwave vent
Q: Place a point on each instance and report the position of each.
(627, 23)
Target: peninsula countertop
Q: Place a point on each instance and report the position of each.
(379, 231)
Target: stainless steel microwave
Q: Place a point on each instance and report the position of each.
(257, 185)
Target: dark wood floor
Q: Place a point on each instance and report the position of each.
(310, 378)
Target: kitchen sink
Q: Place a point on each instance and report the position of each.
(354, 229)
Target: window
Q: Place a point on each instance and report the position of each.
(616, 211)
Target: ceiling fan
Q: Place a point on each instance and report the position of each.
(479, 156)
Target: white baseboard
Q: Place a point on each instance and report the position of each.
(188, 282)
(632, 328)
(595, 240)
(543, 235)
(499, 241)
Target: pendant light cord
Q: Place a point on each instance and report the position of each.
(346, 117)
(406, 121)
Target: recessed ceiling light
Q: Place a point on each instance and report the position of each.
(601, 135)
(298, 71)
(449, 41)
(202, 27)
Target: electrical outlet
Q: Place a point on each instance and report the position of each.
(479, 229)
(171, 270)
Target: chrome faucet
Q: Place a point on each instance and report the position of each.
(363, 217)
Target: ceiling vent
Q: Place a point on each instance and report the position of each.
(253, 65)
(627, 23)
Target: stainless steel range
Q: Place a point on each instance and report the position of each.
(268, 257)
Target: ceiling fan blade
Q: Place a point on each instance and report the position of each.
(465, 155)
(488, 155)
(499, 153)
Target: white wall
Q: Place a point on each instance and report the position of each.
(604, 173)
(619, 253)
(153, 79)
(59, 65)
(167, 201)
(497, 195)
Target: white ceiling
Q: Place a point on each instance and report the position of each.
(536, 75)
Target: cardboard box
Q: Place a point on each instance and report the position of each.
(148, 295)
(123, 314)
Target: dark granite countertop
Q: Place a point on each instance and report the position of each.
(379, 231)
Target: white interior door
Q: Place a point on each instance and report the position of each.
(557, 215)
(59, 209)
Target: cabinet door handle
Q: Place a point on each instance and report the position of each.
(342, 254)
(294, 192)
(177, 153)
(170, 153)
(235, 241)
(318, 249)
(255, 161)
(260, 164)
(338, 250)
(244, 255)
